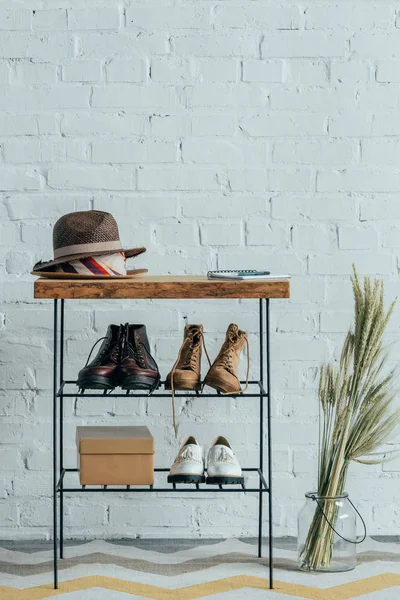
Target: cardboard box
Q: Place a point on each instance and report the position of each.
(115, 455)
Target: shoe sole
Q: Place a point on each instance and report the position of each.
(186, 479)
(216, 385)
(95, 382)
(224, 480)
(140, 383)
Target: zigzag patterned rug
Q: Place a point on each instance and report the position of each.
(224, 570)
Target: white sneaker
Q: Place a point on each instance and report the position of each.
(188, 466)
(222, 465)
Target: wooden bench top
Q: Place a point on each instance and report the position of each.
(160, 286)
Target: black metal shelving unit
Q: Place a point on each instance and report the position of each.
(63, 389)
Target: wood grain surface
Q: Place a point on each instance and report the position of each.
(160, 286)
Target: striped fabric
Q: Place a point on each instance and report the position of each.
(107, 264)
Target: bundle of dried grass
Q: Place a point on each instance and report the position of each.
(356, 418)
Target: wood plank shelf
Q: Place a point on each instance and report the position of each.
(160, 286)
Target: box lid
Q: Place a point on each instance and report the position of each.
(114, 440)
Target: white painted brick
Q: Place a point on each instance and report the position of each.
(357, 238)
(22, 150)
(349, 16)
(303, 44)
(31, 483)
(228, 95)
(9, 234)
(49, 97)
(177, 235)
(226, 234)
(51, 20)
(177, 178)
(47, 123)
(321, 207)
(10, 458)
(147, 206)
(385, 124)
(51, 206)
(306, 71)
(99, 18)
(8, 514)
(170, 126)
(254, 180)
(310, 99)
(19, 178)
(213, 125)
(291, 180)
(375, 44)
(350, 72)
(265, 234)
(220, 206)
(31, 72)
(358, 180)
(285, 124)
(218, 69)
(315, 152)
(133, 70)
(313, 237)
(304, 322)
(336, 321)
(204, 45)
(14, 20)
(267, 17)
(103, 177)
(262, 70)
(119, 124)
(372, 97)
(223, 152)
(383, 152)
(134, 96)
(134, 152)
(388, 71)
(85, 515)
(58, 45)
(167, 17)
(82, 70)
(380, 207)
(341, 264)
(4, 72)
(389, 236)
(172, 71)
(350, 124)
(118, 44)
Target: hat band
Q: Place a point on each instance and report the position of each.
(84, 248)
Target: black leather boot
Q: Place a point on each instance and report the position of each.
(137, 370)
(101, 373)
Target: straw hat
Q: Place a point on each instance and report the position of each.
(85, 234)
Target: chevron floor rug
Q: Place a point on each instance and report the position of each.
(187, 570)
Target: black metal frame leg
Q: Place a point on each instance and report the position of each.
(261, 441)
(61, 491)
(269, 446)
(55, 549)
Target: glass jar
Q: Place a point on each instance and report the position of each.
(319, 548)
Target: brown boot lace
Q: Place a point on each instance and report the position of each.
(191, 345)
(227, 354)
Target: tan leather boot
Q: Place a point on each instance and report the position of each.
(185, 374)
(222, 375)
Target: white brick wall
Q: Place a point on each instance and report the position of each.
(220, 134)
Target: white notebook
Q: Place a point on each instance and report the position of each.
(242, 275)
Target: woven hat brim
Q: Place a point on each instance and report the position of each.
(132, 252)
(55, 275)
